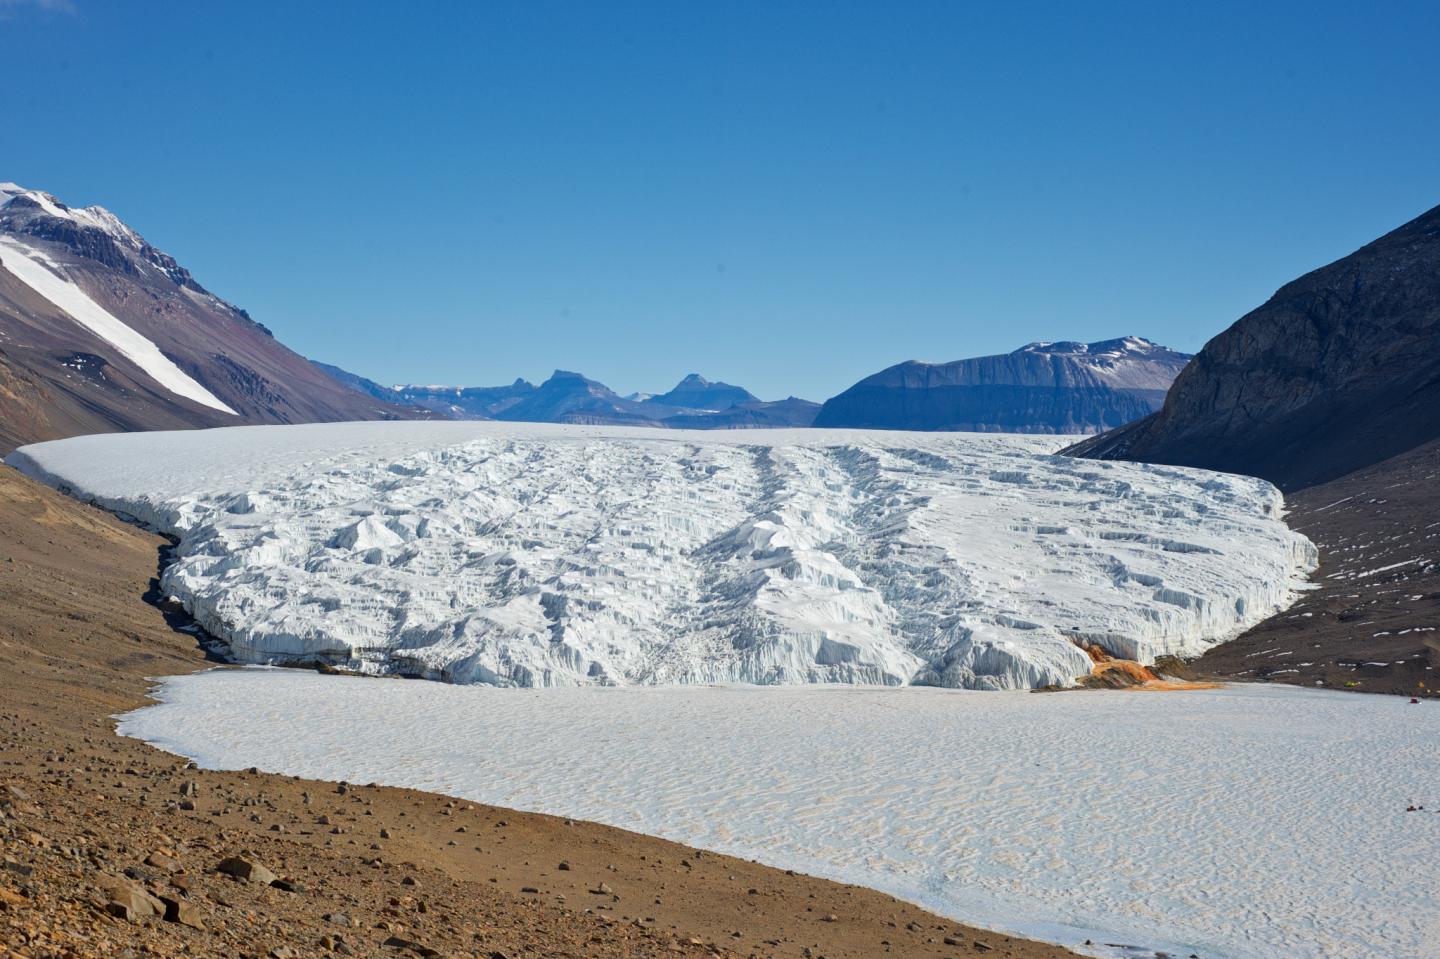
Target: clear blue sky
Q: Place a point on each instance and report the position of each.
(787, 196)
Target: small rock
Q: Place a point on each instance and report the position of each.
(395, 942)
(243, 869)
(178, 910)
(130, 902)
(159, 860)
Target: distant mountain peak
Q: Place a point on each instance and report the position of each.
(695, 392)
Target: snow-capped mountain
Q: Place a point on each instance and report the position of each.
(1339, 370)
(101, 331)
(1060, 387)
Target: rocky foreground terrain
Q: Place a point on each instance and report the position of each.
(109, 847)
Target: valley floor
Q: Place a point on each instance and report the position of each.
(87, 817)
(1372, 622)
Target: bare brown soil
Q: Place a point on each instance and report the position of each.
(95, 828)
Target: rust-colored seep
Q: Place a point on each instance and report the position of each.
(1111, 673)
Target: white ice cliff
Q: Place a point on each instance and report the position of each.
(534, 555)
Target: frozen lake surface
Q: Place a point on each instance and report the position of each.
(1240, 823)
(540, 555)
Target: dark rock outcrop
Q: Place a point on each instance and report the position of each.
(1340, 369)
(1061, 387)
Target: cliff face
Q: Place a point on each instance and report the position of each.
(1041, 388)
(1340, 369)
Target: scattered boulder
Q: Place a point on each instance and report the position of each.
(129, 902)
(245, 870)
(409, 945)
(182, 912)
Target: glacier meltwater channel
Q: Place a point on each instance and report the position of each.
(539, 555)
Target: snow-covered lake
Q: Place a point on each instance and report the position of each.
(536, 555)
(1240, 823)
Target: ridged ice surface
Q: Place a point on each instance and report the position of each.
(532, 555)
(1241, 823)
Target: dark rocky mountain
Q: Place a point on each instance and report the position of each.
(695, 392)
(1339, 370)
(1061, 387)
(100, 331)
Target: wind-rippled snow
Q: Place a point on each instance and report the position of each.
(534, 555)
(1247, 822)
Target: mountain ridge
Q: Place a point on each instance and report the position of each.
(1042, 387)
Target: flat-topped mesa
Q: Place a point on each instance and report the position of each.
(1043, 387)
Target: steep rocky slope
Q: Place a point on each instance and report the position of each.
(1040, 388)
(1339, 370)
(100, 331)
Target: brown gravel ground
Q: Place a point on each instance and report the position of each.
(1372, 625)
(92, 825)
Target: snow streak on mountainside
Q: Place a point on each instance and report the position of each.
(100, 330)
(45, 277)
(553, 556)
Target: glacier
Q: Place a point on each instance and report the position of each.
(543, 555)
